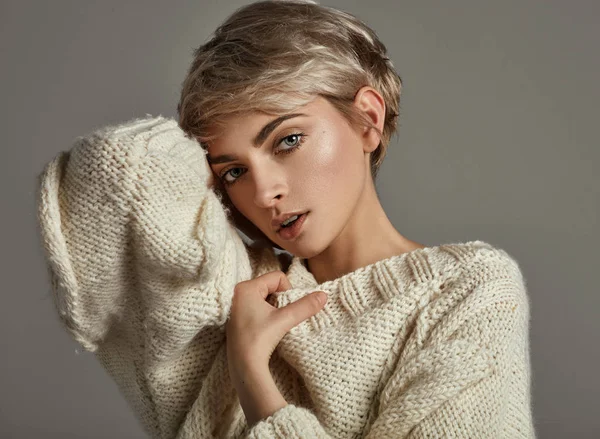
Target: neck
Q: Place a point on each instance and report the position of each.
(367, 238)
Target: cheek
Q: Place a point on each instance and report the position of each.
(332, 165)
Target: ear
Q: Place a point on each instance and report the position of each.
(372, 104)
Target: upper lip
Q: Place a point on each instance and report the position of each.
(276, 222)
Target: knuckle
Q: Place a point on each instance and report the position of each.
(237, 292)
(239, 286)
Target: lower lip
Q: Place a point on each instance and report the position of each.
(288, 233)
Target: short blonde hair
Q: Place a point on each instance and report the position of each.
(275, 56)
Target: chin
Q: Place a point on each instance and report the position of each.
(302, 250)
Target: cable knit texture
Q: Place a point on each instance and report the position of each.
(143, 259)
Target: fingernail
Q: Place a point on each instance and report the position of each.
(323, 297)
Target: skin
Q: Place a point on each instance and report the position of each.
(347, 228)
(253, 330)
(329, 174)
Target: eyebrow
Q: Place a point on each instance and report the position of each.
(258, 140)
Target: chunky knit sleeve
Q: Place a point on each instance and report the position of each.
(470, 379)
(125, 208)
(472, 376)
(143, 261)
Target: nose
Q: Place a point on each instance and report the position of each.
(270, 187)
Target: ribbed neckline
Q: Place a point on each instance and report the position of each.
(416, 275)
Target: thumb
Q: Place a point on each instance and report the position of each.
(300, 310)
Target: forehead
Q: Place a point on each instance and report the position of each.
(256, 126)
(252, 122)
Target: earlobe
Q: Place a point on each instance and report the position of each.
(372, 140)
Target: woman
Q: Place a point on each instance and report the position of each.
(285, 115)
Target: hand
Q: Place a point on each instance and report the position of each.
(255, 328)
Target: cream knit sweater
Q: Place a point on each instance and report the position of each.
(143, 260)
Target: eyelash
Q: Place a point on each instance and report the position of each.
(301, 139)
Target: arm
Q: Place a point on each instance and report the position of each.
(258, 394)
(472, 379)
(142, 261)
(124, 191)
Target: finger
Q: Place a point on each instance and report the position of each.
(265, 284)
(296, 312)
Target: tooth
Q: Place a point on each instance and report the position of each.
(290, 219)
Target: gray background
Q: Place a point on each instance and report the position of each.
(498, 141)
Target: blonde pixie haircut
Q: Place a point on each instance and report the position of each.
(275, 56)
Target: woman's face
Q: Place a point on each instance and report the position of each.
(312, 162)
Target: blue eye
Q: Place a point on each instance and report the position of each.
(298, 136)
(300, 140)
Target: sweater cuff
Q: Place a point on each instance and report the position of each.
(289, 422)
